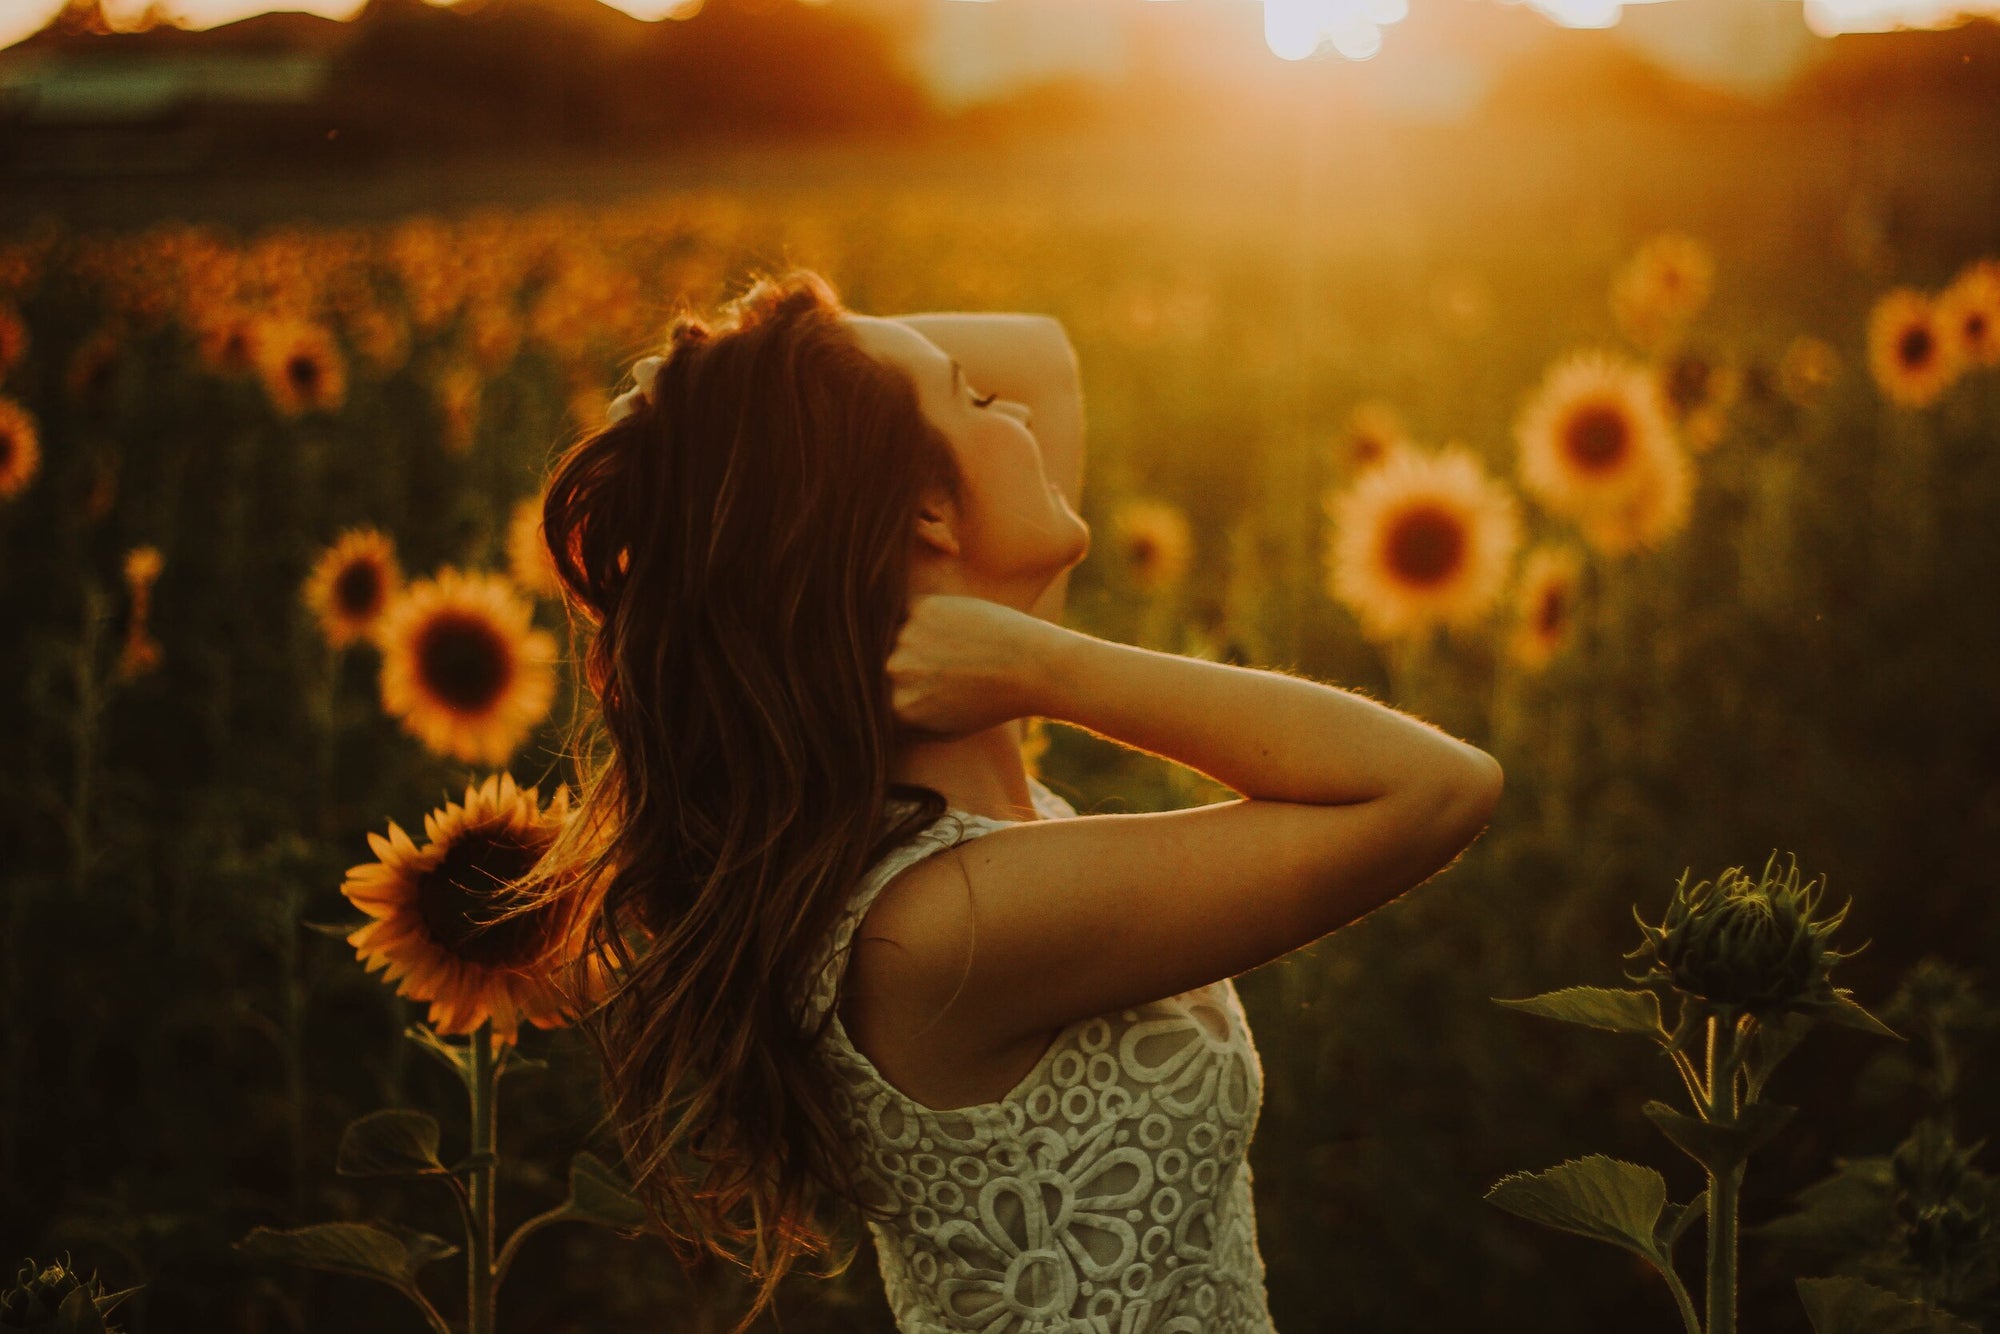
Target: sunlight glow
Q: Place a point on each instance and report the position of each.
(1293, 29)
(1296, 29)
(1581, 13)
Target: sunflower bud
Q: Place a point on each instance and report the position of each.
(35, 1301)
(1940, 1202)
(1744, 946)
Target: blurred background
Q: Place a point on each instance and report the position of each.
(294, 307)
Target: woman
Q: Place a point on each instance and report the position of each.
(861, 954)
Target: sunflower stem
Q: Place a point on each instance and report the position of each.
(479, 1248)
(1721, 1200)
(521, 1234)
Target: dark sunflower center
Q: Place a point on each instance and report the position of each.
(463, 661)
(358, 590)
(1598, 437)
(1144, 550)
(236, 348)
(1426, 545)
(303, 372)
(1975, 326)
(1551, 609)
(457, 899)
(1687, 385)
(1915, 346)
(6, 449)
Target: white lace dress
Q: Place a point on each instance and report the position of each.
(1106, 1193)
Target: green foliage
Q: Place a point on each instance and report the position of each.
(1849, 1306)
(385, 1251)
(1618, 1011)
(1745, 946)
(1604, 1199)
(1809, 666)
(55, 1299)
(1922, 1221)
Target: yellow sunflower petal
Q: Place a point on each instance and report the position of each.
(1421, 540)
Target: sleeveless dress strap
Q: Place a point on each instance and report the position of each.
(954, 826)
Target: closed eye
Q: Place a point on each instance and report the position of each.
(980, 401)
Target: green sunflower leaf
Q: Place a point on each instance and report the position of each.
(1594, 1196)
(395, 1142)
(1718, 1147)
(1846, 1012)
(1846, 1305)
(361, 1249)
(1619, 1010)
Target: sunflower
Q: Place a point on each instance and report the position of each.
(1594, 433)
(1655, 510)
(225, 337)
(1419, 540)
(20, 449)
(1969, 310)
(1373, 429)
(381, 336)
(528, 559)
(1809, 365)
(458, 390)
(1152, 537)
(1545, 604)
(302, 368)
(1698, 393)
(491, 333)
(13, 339)
(1662, 287)
(463, 667)
(1034, 743)
(432, 907)
(352, 584)
(589, 401)
(141, 652)
(1914, 357)
(93, 366)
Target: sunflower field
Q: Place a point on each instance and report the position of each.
(1669, 477)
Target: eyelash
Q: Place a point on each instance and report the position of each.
(979, 402)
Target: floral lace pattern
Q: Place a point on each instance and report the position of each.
(1107, 1193)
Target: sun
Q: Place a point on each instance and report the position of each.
(463, 667)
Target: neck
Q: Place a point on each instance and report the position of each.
(982, 773)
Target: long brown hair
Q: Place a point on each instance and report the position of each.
(740, 549)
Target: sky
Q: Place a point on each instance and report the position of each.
(1293, 28)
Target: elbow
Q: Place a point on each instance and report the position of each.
(1476, 795)
(1056, 339)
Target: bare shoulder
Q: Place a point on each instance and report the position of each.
(982, 950)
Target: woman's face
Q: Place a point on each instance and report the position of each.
(1016, 530)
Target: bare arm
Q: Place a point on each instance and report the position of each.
(992, 945)
(1266, 734)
